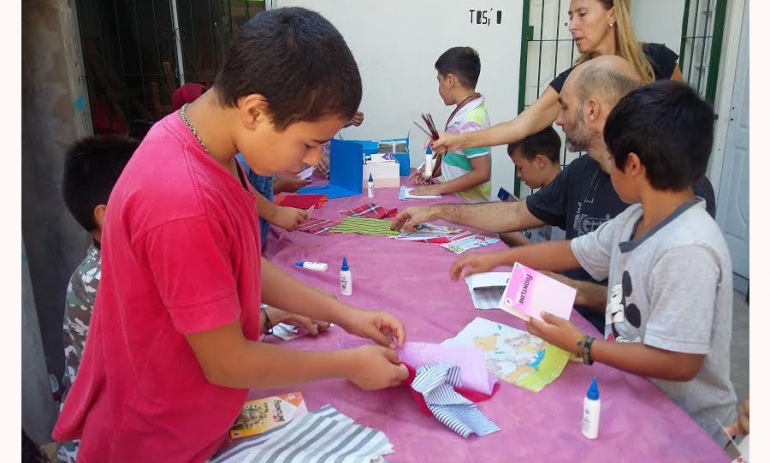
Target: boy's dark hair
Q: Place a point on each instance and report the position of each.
(545, 142)
(91, 168)
(463, 62)
(669, 126)
(298, 61)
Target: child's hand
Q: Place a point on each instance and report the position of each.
(742, 425)
(555, 330)
(473, 263)
(446, 142)
(375, 367)
(426, 190)
(410, 218)
(288, 218)
(377, 325)
(418, 178)
(313, 327)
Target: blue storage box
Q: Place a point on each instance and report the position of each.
(403, 163)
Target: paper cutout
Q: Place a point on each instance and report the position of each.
(487, 288)
(300, 201)
(468, 240)
(512, 355)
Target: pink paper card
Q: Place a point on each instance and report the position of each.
(529, 292)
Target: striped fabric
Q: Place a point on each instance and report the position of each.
(371, 211)
(325, 435)
(317, 226)
(436, 383)
(377, 227)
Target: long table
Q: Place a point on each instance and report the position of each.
(411, 280)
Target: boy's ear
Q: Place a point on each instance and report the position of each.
(451, 80)
(253, 110)
(634, 166)
(540, 161)
(99, 212)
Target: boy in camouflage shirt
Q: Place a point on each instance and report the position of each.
(91, 168)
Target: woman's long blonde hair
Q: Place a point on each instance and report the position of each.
(628, 47)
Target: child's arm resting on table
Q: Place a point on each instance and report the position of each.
(632, 357)
(280, 290)
(228, 359)
(554, 255)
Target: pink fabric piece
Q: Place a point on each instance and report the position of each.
(473, 371)
(638, 422)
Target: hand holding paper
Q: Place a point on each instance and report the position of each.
(555, 330)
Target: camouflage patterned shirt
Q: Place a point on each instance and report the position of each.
(81, 293)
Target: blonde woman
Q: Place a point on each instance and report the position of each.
(598, 27)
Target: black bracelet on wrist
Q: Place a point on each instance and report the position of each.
(588, 341)
(268, 323)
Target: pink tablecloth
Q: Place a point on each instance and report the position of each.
(638, 422)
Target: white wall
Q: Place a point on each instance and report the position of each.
(396, 44)
(658, 21)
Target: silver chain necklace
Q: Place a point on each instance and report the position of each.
(186, 120)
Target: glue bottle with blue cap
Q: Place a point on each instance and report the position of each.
(346, 279)
(592, 406)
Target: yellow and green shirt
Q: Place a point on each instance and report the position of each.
(470, 118)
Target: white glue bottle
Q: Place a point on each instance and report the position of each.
(346, 279)
(592, 406)
(370, 186)
(428, 163)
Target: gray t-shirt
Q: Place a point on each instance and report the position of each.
(672, 289)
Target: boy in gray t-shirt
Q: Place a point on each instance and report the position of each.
(669, 305)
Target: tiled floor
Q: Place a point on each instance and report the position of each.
(739, 349)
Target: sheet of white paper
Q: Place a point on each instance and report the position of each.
(405, 193)
(305, 174)
(487, 288)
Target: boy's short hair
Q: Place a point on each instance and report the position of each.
(463, 62)
(298, 61)
(669, 126)
(545, 142)
(92, 166)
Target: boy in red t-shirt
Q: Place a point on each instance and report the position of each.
(173, 344)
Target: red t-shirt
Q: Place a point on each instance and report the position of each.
(180, 255)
